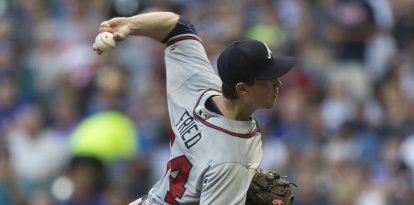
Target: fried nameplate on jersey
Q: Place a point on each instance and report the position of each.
(188, 130)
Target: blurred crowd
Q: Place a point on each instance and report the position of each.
(77, 128)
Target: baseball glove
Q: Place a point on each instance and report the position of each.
(268, 188)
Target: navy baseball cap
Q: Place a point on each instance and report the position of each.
(251, 60)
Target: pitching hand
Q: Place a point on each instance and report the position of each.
(119, 27)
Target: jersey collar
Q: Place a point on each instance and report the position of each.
(246, 129)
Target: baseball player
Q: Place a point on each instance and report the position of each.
(215, 141)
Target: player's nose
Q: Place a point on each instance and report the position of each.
(277, 83)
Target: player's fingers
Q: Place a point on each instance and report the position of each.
(105, 24)
(96, 49)
(105, 27)
(110, 30)
(122, 33)
(119, 36)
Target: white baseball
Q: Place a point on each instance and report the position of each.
(105, 41)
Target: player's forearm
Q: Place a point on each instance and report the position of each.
(156, 25)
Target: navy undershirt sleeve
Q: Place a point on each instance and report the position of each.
(183, 26)
(210, 105)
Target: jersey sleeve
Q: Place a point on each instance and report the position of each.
(186, 60)
(226, 184)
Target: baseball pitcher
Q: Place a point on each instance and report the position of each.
(215, 141)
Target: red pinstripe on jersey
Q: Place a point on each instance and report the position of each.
(183, 37)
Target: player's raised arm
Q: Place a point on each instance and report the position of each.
(156, 25)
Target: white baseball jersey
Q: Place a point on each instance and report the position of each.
(213, 159)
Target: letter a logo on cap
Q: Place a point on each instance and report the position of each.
(269, 52)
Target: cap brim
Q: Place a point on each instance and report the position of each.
(280, 67)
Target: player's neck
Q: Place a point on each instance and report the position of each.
(233, 109)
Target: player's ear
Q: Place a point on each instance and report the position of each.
(241, 89)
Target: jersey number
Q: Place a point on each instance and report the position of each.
(180, 169)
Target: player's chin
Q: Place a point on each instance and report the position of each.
(269, 105)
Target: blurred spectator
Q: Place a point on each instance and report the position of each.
(44, 60)
(87, 176)
(110, 93)
(36, 154)
(107, 133)
(407, 153)
(353, 23)
(9, 191)
(109, 136)
(395, 103)
(265, 26)
(65, 115)
(10, 105)
(404, 24)
(339, 104)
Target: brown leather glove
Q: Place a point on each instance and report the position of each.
(268, 188)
